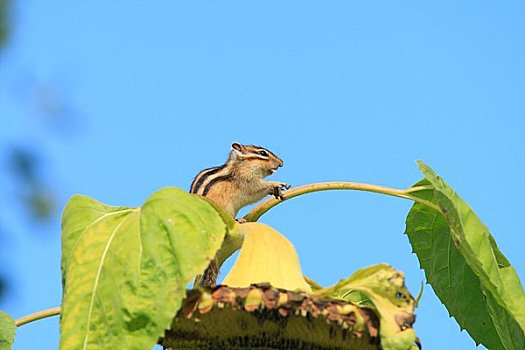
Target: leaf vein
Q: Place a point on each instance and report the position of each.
(97, 279)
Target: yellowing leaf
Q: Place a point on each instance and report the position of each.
(7, 331)
(266, 256)
(385, 286)
(125, 270)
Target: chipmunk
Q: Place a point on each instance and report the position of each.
(236, 184)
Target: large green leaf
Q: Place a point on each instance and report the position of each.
(7, 331)
(125, 269)
(464, 266)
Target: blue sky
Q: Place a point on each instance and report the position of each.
(345, 91)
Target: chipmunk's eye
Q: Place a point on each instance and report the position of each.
(263, 153)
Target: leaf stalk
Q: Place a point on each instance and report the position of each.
(262, 208)
(54, 311)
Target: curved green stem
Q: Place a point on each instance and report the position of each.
(262, 208)
(54, 311)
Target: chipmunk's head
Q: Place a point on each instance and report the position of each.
(258, 158)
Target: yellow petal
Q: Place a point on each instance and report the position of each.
(266, 256)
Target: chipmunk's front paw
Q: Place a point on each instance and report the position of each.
(278, 188)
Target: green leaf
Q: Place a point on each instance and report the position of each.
(7, 331)
(464, 266)
(125, 269)
(385, 288)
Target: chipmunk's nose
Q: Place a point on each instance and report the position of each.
(281, 163)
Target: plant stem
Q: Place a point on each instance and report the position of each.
(38, 316)
(262, 208)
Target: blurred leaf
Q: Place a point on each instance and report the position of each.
(7, 331)
(24, 163)
(125, 269)
(266, 256)
(41, 203)
(4, 22)
(2, 286)
(385, 288)
(37, 197)
(464, 266)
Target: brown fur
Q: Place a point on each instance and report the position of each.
(236, 184)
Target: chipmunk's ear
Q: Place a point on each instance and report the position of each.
(236, 152)
(236, 147)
